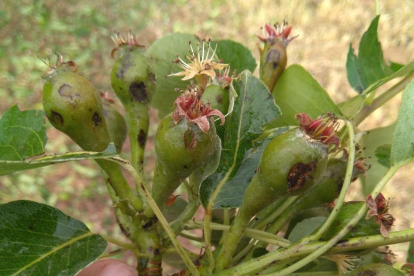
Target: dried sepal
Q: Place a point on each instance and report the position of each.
(130, 40)
(106, 98)
(190, 106)
(410, 266)
(277, 32)
(223, 78)
(322, 128)
(379, 208)
(345, 263)
(70, 65)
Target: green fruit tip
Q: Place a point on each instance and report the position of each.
(379, 208)
(60, 63)
(322, 128)
(190, 106)
(129, 41)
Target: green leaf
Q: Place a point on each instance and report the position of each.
(403, 141)
(39, 240)
(235, 54)
(396, 66)
(404, 71)
(383, 155)
(161, 54)
(369, 66)
(172, 212)
(305, 228)
(410, 253)
(369, 142)
(297, 91)
(22, 134)
(351, 107)
(7, 167)
(253, 109)
(231, 195)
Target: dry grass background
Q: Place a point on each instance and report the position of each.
(81, 31)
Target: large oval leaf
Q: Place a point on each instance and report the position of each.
(369, 66)
(297, 91)
(161, 54)
(39, 240)
(403, 141)
(239, 57)
(254, 108)
(22, 134)
(370, 142)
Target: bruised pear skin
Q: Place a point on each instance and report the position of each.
(181, 149)
(74, 107)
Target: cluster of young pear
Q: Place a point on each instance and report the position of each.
(291, 165)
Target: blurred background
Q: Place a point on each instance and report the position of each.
(81, 31)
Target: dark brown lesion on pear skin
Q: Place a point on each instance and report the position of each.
(96, 119)
(57, 118)
(298, 175)
(142, 138)
(138, 91)
(273, 56)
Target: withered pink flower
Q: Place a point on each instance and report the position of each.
(224, 78)
(277, 32)
(322, 128)
(190, 106)
(379, 208)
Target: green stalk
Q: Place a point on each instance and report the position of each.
(113, 253)
(262, 215)
(361, 212)
(345, 186)
(120, 185)
(274, 228)
(251, 233)
(279, 211)
(253, 266)
(189, 211)
(137, 117)
(150, 201)
(120, 243)
(382, 99)
(278, 266)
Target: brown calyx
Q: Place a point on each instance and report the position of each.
(190, 106)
